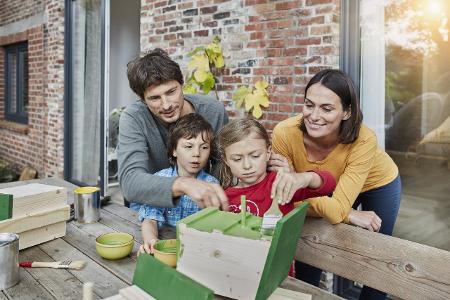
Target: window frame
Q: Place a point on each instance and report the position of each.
(20, 114)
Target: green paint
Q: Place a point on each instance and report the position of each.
(166, 247)
(165, 283)
(282, 250)
(228, 223)
(6, 206)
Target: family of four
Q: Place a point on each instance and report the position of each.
(170, 144)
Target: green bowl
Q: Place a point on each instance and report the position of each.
(114, 245)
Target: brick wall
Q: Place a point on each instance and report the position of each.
(38, 144)
(16, 10)
(283, 42)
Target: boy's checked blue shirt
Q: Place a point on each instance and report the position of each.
(170, 216)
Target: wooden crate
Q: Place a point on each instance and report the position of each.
(39, 227)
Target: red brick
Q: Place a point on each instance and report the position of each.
(287, 5)
(295, 51)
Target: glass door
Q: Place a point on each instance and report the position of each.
(84, 112)
(405, 94)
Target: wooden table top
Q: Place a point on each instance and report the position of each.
(108, 276)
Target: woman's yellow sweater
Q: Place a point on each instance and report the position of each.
(357, 167)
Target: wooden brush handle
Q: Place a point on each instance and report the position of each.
(37, 264)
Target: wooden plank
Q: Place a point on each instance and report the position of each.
(83, 239)
(40, 235)
(122, 212)
(27, 289)
(37, 220)
(300, 286)
(122, 225)
(401, 268)
(59, 182)
(284, 294)
(59, 282)
(35, 197)
(222, 262)
(105, 283)
(135, 293)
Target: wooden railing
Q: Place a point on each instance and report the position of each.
(398, 267)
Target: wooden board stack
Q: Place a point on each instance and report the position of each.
(39, 213)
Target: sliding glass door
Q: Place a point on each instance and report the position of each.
(405, 94)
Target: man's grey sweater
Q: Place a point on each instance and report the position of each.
(142, 150)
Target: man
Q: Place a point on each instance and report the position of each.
(142, 149)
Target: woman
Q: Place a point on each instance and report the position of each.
(330, 136)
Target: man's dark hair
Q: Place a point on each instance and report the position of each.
(341, 84)
(188, 126)
(156, 67)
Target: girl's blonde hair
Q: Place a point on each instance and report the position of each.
(234, 132)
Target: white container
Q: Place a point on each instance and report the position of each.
(9, 260)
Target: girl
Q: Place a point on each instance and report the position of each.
(245, 150)
(188, 151)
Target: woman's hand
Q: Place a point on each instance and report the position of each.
(148, 247)
(286, 184)
(278, 162)
(365, 219)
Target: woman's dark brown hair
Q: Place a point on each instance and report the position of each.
(342, 85)
(188, 126)
(155, 67)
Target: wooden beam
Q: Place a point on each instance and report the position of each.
(398, 267)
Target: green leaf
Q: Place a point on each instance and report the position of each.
(240, 94)
(199, 62)
(254, 101)
(261, 85)
(193, 52)
(208, 84)
(189, 89)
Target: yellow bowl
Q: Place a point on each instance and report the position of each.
(114, 245)
(166, 252)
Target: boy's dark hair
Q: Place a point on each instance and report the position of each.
(155, 67)
(188, 126)
(342, 85)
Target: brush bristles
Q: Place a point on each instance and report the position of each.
(77, 265)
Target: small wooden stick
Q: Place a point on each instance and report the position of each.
(243, 210)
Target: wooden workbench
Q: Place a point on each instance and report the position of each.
(79, 244)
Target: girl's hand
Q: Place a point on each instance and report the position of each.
(278, 162)
(365, 219)
(286, 184)
(147, 247)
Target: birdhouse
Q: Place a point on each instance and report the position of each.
(227, 253)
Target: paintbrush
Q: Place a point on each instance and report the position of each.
(66, 264)
(270, 218)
